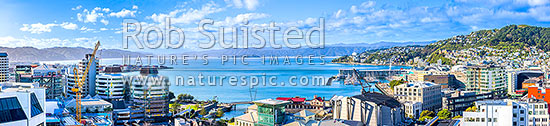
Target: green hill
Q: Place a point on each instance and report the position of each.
(511, 38)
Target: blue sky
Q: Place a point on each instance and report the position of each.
(44, 24)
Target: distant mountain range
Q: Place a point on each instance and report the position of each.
(329, 50)
(31, 54)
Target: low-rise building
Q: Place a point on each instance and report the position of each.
(267, 112)
(446, 81)
(458, 101)
(91, 105)
(507, 113)
(412, 109)
(22, 105)
(427, 93)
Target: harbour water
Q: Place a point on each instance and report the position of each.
(255, 67)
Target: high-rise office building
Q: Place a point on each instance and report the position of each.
(88, 87)
(149, 94)
(110, 84)
(4, 67)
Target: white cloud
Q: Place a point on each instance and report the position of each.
(9, 41)
(106, 9)
(241, 17)
(104, 21)
(248, 4)
(103, 29)
(123, 13)
(251, 4)
(186, 16)
(90, 16)
(431, 19)
(538, 2)
(541, 13)
(101, 14)
(86, 29)
(363, 8)
(37, 28)
(70, 26)
(338, 13)
(77, 7)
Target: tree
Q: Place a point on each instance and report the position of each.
(426, 115)
(425, 118)
(444, 114)
(394, 83)
(471, 109)
(180, 98)
(174, 107)
(219, 113)
(203, 112)
(108, 109)
(457, 117)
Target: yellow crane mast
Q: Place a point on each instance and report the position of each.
(81, 79)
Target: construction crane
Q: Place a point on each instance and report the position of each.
(80, 80)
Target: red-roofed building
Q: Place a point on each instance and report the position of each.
(292, 100)
(318, 102)
(539, 93)
(298, 103)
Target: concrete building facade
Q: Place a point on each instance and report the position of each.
(427, 93)
(508, 113)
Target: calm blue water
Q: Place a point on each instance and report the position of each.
(229, 93)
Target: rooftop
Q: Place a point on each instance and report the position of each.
(424, 84)
(379, 99)
(248, 117)
(271, 102)
(296, 99)
(340, 123)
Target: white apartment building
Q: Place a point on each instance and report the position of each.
(537, 113)
(508, 113)
(110, 85)
(427, 93)
(4, 67)
(486, 78)
(22, 105)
